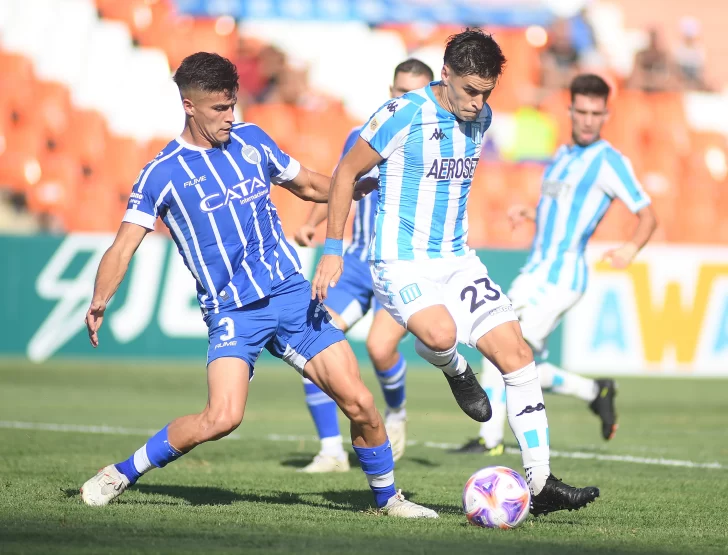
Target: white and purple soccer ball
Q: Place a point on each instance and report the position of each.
(496, 497)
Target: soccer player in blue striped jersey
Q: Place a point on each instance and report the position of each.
(427, 145)
(351, 299)
(579, 185)
(211, 188)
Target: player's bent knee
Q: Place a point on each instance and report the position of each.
(518, 357)
(440, 336)
(382, 352)
(219, 423)
(359, 407)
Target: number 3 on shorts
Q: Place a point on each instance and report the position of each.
(473, 292)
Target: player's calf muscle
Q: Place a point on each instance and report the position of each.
(505, 347)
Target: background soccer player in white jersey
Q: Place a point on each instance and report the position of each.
(427, 146)
(351, 300)
(578, 186)
(211, 187)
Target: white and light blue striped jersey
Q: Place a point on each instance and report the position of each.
(364, 211)
(424, 180)
(578, 187)
(216, 204)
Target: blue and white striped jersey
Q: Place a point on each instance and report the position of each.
(216, 204)
(364, 211)
(578, 187)
(424, 180)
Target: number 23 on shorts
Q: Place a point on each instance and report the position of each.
(479, 293)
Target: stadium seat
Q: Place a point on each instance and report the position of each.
(122, 162)
(54, 193)
(19, 170)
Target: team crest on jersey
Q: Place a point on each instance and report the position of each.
(373, 124)
(476, 132)
(251, 154)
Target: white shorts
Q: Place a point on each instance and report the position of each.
(476, 303)
(540, 306)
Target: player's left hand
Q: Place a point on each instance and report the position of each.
(327, 275)
(94, 319)
(621, 257)
(365, 186)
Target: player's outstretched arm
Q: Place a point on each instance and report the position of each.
(357, 162)
(621, 257)
(309, 185)
(110, 274)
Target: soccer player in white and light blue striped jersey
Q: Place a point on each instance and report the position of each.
(352, 298)
(211, 188)
(427, 145)
(579, 185)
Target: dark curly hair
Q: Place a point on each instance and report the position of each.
(474, 52)
(207, 72)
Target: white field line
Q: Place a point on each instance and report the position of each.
(113, 430)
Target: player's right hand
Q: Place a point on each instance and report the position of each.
(327, 275)
(304, 235)
(94, 318)
(518, 213)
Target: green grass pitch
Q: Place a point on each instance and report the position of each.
(242, 495)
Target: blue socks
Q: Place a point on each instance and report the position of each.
(378, 465)
(392, 382)
(323, 410)
(155, 453)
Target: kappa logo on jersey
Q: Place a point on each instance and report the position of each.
(438, 135)
(195, 181)
(453, 168)
(245, 191)
(392, 107)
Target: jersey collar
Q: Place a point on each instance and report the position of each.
(189, 146)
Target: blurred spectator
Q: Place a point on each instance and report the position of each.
(289, 88)
(259, 69)
(690, 56)
(654, 70)
(559, 61)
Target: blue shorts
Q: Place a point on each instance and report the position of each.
(353, 295)
(287, 323)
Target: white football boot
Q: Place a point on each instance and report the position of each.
(398, 506)
(107, 485)
(326, 463)
(396, 425)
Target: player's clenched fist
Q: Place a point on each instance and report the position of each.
(94, 318)
(328, 272)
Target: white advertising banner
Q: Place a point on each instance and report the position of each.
(667, 314)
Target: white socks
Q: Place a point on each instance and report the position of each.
(451, 362)
(565, 383)
(492, 382)
(333, 447)
(527, 418)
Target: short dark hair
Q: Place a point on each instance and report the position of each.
(589, 84)
(207, 72)
(415, 67)
(474, 52)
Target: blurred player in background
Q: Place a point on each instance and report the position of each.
(578, 186)
(211, 187)
(351, 299)
(427, 145)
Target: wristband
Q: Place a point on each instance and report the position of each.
(334, 246)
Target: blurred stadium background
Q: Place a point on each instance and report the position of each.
(86, 99)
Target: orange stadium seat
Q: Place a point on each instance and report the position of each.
(19, 170)
(96, 207)
(55, 191)
(123, 160)
(86, 138)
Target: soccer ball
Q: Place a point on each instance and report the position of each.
(496, 497)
